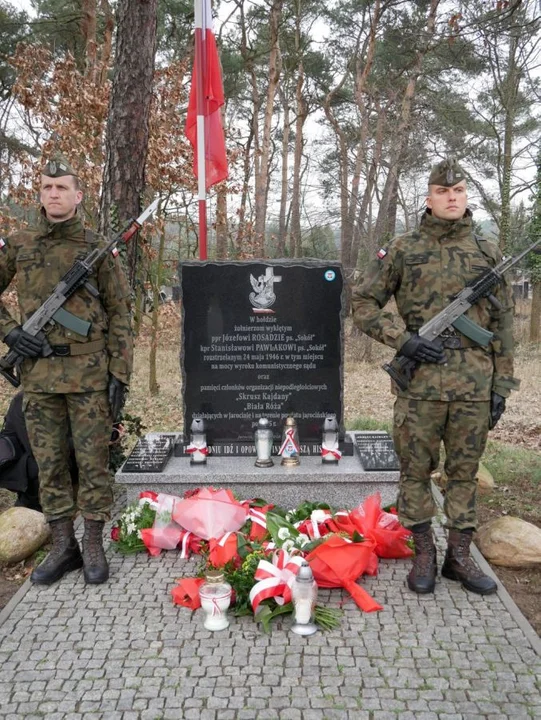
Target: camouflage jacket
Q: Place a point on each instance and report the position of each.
(39, 260)
(424, 270)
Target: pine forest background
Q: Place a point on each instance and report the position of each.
(334, 113)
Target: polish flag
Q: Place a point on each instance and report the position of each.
(203, 123)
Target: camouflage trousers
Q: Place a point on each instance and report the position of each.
(419, 428)
(48, 419)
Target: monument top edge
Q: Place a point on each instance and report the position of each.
(308, 262)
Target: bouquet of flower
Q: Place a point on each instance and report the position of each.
(136, 517)
(260, 547)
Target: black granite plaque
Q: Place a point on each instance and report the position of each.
(262, 339)
(376, 451)
(150, 455)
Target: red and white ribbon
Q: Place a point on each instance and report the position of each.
(327, 451)
(258, 517)
(148, 497)
(275, 579)
(289, 437)
(310, 526)
(222, 541)
(195, 448)
(185, 549)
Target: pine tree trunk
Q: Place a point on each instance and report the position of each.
(107, 45)
(535, 317)
(88, 31)
(262, 177)
(244, 231)
(385, 223)
(241, 231)
(128, 121)
(282, 227)
(510, 89)
(341, 142)
(362, 73)
(153, 385)
(221, 222)
(302, 113)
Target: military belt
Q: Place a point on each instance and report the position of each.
(78, 348)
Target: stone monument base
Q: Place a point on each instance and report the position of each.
(344, 485)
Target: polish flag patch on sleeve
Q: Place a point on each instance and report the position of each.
(2, 243)
(381, 253)
(115, 252)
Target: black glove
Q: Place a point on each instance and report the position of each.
(423, 351)
(23, 343)
(497, 409)
(117, 393)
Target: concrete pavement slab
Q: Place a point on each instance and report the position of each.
(123, 650)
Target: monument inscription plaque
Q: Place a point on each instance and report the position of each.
(262, 339)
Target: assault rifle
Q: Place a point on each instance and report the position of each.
(401, 368)
(52, 311)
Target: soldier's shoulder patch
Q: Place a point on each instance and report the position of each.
(381, 253)
(2, 244)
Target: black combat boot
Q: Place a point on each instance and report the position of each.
(422, 576)
(64, 557)
(458, 564)
(95, 567)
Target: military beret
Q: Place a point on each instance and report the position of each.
(58, 166)
(446, 173)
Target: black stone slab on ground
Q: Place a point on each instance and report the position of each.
(262, 339)
(376, 451)
(150, 454)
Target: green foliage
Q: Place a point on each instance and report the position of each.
(320, 242)
(175, 28)
(58, 26)
(326, 618)
(242, 579)
(133, 429)
(13, 30)
(305, 509)
(534, 259)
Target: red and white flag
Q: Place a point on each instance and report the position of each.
(203, 123)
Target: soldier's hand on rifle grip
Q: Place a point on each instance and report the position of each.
(497, 409)
(423, 351)
(23, 343)
(117, 393)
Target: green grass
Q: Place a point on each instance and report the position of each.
(368, 423)
(509, 463)
(517, 475)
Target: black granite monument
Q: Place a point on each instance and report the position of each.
(262, 339)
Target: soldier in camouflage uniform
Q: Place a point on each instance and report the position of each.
(82, 383)
(459, 388)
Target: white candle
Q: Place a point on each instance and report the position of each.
(303, 610)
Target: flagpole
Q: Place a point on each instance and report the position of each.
(200, 65)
